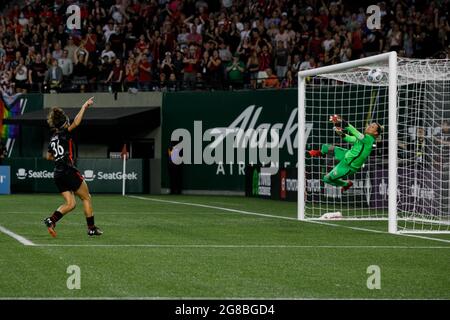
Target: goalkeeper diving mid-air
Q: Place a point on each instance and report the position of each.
(350, 160)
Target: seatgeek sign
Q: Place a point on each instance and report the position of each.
(102, 175)
(88, 175)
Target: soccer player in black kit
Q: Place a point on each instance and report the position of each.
(67, 178)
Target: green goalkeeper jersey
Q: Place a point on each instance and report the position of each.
(362, 147)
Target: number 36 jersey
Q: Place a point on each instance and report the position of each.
(61, 147)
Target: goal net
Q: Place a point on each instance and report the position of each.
(406, 177)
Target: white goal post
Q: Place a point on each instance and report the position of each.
(404, 95)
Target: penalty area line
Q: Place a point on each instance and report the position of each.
(16, 236)
(285, 218)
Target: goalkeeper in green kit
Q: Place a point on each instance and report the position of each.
(350, 160)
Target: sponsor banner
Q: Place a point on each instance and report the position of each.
(101, 175)
(5, 180)
(199, 115)
(369, 189)
(260, 182)
(283, 186)
(418, 189)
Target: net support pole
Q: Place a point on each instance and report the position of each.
(393, 142)
(301, 179)
(124, 156)
(124, 171)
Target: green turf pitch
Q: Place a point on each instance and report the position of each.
(157, 249)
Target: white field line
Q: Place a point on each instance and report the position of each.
(285, 218)
(206, 298)
(117, 212)
(243, 246)
(17, 237)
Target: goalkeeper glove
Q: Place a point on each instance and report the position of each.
(339, 131)
(336, 119)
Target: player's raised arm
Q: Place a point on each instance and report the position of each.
(79, 116)
(347, 138)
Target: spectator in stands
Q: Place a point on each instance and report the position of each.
(253, 68)
(108, 53)
(21, 76)
(288, 81)
(296, 63)
(162, 84)
(92, 74)
(80, 80)
(235, 73)
(71, 48)
(394, 37)
(90, 42)
(305, 65)
(104, 70)
(282, 59)
(144, 71)
(265, 58)
(194, 37)
(214, 67)
(117, 41)
(53, 78)
(131, 74)
(224, 52)
(203, 64)
(271, 81)
(57, 52)
(178, 64)
(142, 44)
(118, 28)
(167, 66)
(190, 67)
(115, 77)
(66, 65)
(172, 84)
(98, 12)
(36, 74)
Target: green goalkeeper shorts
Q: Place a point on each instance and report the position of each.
(340, 171)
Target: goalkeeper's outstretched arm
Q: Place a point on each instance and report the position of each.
(355, 134)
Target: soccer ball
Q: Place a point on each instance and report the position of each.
(375, 75)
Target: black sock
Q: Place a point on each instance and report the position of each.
(56, 216)
(90, 222)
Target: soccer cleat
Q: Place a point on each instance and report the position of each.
(315, 153)
(95, 232)
(348, 186)
(50, 226)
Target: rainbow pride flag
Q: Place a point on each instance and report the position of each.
(10, 106)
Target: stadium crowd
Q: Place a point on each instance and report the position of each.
(194, 44)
